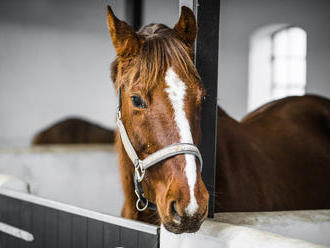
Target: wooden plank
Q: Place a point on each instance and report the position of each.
(26, 222)
(51, 228)
(95, 233)
(55, 228)
(2, 235)
(128, 238)
(11, 216)
(144, 227)
(2, 214)
(147, 240)
(207, 44)
(38, 226)
(16, 219)
(5, 211)
(79, 232)
(111, 237)
(64, 230)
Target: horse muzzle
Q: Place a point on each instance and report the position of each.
(175, 210)
(184, 223)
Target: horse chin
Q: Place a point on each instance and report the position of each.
(182, 228)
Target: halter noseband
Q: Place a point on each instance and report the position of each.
(141, 165)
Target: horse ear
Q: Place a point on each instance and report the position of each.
(186, 27)
(124, 39)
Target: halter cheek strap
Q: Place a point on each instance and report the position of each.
(141, 165)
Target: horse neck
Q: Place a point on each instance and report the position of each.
(235, 163)
(231, 133)
(233, 142)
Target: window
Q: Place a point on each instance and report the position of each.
(288, 62)
(277, 64)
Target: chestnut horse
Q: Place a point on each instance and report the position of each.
(277, 158)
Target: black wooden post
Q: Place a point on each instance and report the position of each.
(134, 13)
(206, 60)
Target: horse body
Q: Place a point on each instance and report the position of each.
(277, 158)
(74, 131)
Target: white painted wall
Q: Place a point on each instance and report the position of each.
(54, 62)
(86, 176)
(160, 11)
(238, 21)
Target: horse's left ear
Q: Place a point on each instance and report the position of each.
(186, 27)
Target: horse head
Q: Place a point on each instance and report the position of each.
(160, 102)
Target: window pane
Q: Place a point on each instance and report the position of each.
(279, 93)
(296, 91)
(280, 71)
(297, 42)
(289, 62)
(280, 43)
(297, 71)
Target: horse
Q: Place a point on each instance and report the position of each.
(277, 158)
(74, 131)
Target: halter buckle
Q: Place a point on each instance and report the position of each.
(139, 170)
(139, 201)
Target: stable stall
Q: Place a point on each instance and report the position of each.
(70, 196)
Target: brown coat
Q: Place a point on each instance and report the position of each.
(277, 158)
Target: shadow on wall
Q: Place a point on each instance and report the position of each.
(74, 131)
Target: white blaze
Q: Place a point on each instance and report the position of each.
(176, 92)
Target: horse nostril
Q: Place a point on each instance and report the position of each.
(176, 216)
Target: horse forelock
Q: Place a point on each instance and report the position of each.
(153, 29)
(160, 49)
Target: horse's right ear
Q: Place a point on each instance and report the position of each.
(124, 39)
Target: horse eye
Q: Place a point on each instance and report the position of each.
(138, 102)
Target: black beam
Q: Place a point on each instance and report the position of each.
(206, 60)
(134, 13)
(207, 48)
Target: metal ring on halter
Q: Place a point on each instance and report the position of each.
(138, 203)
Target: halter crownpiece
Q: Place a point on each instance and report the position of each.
(141, 165)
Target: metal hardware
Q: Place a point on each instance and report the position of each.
(139, 170)
(118, 114)
(138, 201)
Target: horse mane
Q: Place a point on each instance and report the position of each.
(160, 49)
